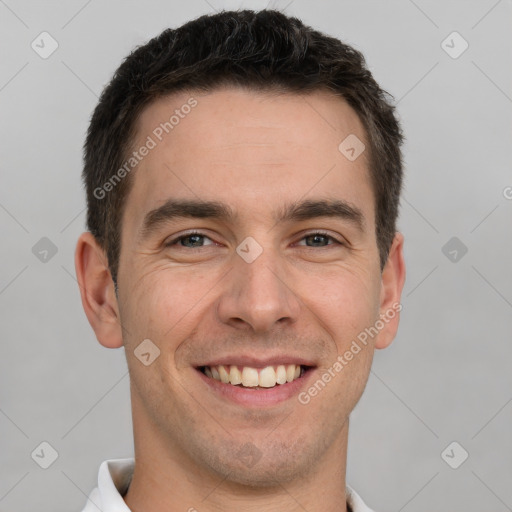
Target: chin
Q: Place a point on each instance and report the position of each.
(280, 472)
(276, 463)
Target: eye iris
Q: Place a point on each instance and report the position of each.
(316, 237)
(197, 238)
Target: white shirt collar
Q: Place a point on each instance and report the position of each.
(115, 475)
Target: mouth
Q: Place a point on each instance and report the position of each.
(255, 378)
(252, 386)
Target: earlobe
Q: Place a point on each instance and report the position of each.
(97, 291)
(393, 279)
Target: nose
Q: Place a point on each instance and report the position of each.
(257, 296)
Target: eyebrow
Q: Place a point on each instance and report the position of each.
(296, 211)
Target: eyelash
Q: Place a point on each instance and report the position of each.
(192, 233)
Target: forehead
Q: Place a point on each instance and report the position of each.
(253, 150)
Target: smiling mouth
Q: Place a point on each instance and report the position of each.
(255, 378)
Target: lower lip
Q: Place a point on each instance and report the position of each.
(258, 397)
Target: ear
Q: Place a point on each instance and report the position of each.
(97, 291)
(392, 283)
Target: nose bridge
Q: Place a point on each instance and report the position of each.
(257, 292)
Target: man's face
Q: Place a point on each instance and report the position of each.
(257, 289)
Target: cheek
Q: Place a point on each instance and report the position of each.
(163, 306)
(145, 307)
(345, 302)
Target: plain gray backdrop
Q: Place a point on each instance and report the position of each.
(446, 378)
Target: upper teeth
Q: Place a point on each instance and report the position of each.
(251, 377)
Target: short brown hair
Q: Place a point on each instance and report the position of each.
(264, 50)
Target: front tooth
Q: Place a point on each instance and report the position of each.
(249, 377)
(215, 373)
(235, 377)
(281, 374)
(224, 375)
(290, 372)
(267, 377)
(297, 372)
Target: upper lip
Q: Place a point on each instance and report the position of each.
(258, 362)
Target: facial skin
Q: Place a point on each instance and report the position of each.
(198, 301)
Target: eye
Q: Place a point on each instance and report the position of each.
(318, 238)
(192, 240)
(196, 239)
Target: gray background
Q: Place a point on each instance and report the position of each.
(447, 375)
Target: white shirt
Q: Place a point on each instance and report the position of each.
(114, 478)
